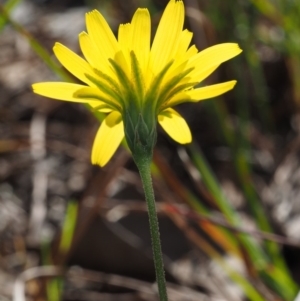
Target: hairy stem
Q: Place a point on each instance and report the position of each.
(145, 173)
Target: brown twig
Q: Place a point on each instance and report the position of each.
(182, 210)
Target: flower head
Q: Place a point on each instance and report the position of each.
(137, 83)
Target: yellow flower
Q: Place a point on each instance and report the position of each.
(137, 84)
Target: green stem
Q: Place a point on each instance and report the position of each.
(145, 173)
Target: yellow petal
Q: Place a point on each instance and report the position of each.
(191, 52)
(86, 46)
(165, 43)
(101, 34)
(125, 36)
(181, 57)
(184, 42)
(91, 53)
(210, 58)
(67, 92)
(210, 91)
(100, 108)
(108, 138)
(175, 125)
(195, 95)
(73, 63)
(202, 74)
(141, 34)
(124, 39)
(59, 90)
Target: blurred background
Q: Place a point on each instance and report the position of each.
(229, 203)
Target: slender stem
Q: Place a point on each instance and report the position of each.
(145, 173)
